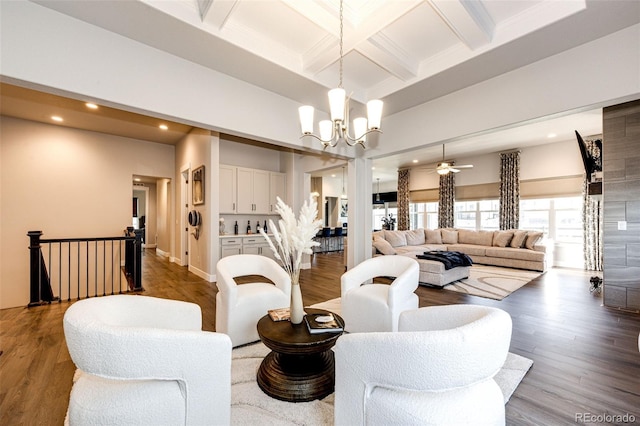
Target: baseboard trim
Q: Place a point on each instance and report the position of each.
(162, 253)
(202, 274)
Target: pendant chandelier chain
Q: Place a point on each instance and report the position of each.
(341, 46)
(337, 128)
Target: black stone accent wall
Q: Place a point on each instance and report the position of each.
(621, 196)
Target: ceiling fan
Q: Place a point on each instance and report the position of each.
(444, 167)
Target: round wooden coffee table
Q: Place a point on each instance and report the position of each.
(300, 366)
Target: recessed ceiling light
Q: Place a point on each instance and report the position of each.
(164, 127)
(373, 168)
(333, 175)
(551, 135)
(415, 161)
(57, 118)
(137, 179)
(91, 106)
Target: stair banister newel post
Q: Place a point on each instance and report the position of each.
(138, 260)
(34, 266)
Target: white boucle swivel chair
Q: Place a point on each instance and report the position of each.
(145, 360)
(437, 369)
(240, 306)
(376, 307)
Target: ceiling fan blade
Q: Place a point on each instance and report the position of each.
(451, 169)
(465, 166)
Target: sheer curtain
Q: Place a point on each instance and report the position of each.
(403, 200)
(447, 200)
(592, 217)
(510, 190)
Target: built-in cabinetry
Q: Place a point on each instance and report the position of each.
(246, 244)
(250, 191)
(228, 189)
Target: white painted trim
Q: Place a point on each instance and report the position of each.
(202, 274)
(162, 253)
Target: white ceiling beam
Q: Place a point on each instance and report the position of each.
(216, 12)
(383, 51)
(326, 53)
(469, 20)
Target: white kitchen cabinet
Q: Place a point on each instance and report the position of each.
(247, 244)
(230, 246)
(252, 191)
(277, 188)
(228, 189)
(256, 245)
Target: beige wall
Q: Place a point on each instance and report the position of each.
(193, 151)
(66, 183)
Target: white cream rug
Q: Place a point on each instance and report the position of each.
(251, 406)
(492, 282)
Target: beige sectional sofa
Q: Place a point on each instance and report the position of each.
(513, 248)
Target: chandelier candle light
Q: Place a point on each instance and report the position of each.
(336, 129)
(293, 238)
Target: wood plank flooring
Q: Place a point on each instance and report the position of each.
(586, 357)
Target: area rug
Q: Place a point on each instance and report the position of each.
(251, 406)
(492, 282)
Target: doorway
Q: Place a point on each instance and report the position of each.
(141, 210)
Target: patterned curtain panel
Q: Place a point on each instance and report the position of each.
(510, 190)
(447, 200)
(592, 217)
(403, 200)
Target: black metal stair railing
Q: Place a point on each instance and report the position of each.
(78, 268)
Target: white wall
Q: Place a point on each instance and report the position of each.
(66, 183)
(600, 73)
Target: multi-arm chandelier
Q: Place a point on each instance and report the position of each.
(336, 129)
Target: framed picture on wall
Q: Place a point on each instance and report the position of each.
(344, 208)
(197, 185)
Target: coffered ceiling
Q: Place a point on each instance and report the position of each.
(405, 52)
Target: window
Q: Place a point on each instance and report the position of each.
(559, 218)
(379, 211)
(423, 215)
(477, 215)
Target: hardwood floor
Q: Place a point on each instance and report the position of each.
(586, 357)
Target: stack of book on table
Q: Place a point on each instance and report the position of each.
(322, 323)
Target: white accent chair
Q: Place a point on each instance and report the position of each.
(240, 306)
(145, 360)
(437, 369)
(370, 307)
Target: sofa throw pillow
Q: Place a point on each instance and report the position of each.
(432, 236)
(449, 236)
(396, 238)
(502, 238)
(532, 238)
(415, 237)
(383, 246)
(518, 239)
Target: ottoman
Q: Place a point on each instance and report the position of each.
(432, 272)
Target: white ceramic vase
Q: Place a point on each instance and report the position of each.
(296, 308)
